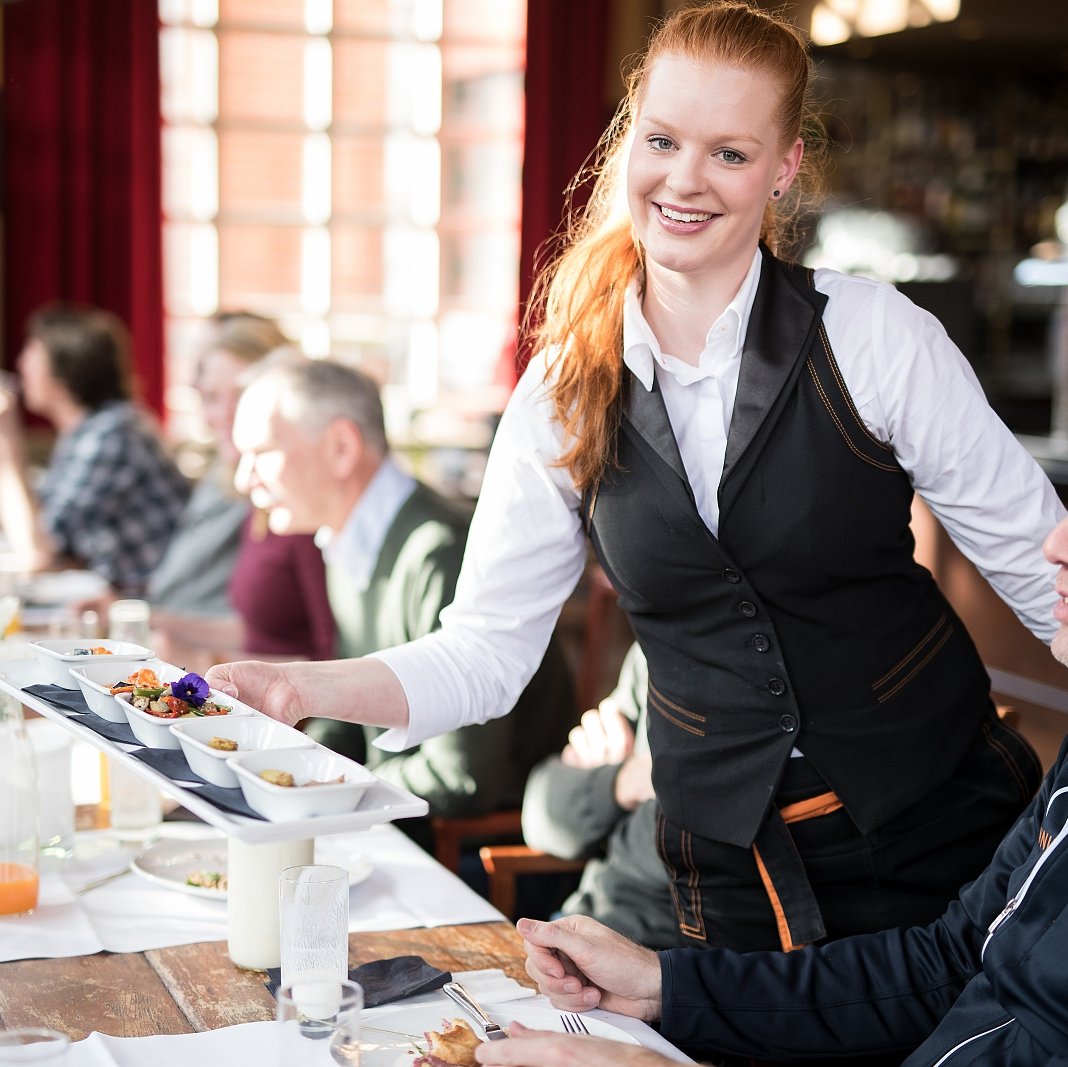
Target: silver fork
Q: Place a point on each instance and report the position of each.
(573, 1024)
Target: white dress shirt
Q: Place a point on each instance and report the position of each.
(355, 548)
(527, 549)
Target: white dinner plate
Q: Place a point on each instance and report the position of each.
(169, 863)
(387, 1036)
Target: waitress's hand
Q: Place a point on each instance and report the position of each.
(351, 690)
(580, 964)
(541, 1048)
(268, 687)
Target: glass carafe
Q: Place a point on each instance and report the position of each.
(19, 854)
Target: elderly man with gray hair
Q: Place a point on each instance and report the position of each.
(315, 457)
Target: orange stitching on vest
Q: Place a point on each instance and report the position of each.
(837, 373)
(677, 707)
(698, 930)
(1006, 755)
(915, 670)
(677, 722)
(909, 655)
(785, 939)
(841, 427)
(661, 848)
(1044, 839)
(812, 808)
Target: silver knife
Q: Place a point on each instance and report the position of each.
(455, 991)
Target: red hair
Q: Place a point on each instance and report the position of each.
(575, 313)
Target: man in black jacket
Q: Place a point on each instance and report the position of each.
(985, 984)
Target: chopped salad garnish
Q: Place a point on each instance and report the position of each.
(188, 696)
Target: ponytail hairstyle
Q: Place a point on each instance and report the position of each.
(575, 314)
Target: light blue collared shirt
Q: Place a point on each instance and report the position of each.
(358, 544)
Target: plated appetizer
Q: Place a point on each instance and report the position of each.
(190, 695)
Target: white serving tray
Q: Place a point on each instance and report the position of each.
(381, 803)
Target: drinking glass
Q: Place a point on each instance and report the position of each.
(33, 1044)
(130, 620)
(319, 1023)
(52, 746)
(135, 807)
(313, 918)
(19, 856)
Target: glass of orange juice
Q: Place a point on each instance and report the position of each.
(19, 854)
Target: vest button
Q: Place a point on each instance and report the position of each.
(731, 575)
(776, 687)
(747, 608)
(761, 643)
(788, 724)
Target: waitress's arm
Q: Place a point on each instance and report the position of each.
(525, 553)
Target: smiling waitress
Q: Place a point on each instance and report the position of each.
(740, 440)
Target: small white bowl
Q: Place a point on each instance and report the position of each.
(96, 679)
(154, 732)
(280, 803)
(55, 656)
(252, 734)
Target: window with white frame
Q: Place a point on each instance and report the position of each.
(353, 169)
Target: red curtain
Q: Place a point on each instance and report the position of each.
(565, 115)
(82, 196)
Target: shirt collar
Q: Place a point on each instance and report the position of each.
(641, 349)
(355, 548)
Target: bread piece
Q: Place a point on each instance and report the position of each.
(452, 1046)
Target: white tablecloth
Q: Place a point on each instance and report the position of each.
(406, 889)
(253, 1044)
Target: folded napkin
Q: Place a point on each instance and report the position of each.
(72, 702)
(56, 695)
(172, 764)
(385, 981)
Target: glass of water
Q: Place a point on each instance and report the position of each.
(319, 1023)
(313, 922)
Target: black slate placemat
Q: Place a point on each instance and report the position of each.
(73, 703)
(172, 764)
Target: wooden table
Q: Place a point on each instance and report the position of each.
(191, 988)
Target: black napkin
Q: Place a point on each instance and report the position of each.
(385, 981)
(73, 703)
(58, 697)
(172, 764)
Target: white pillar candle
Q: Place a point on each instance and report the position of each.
(252, 897)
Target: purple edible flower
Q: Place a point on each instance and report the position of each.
(192, 689)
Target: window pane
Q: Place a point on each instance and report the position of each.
(379, 17)
(285, 14)
(378, 84)
(360, 82)
(260, 266)
(483, 87)
(188, 76)
(261, 77)
(190, 278)
(357, 266)
(471, 271)
(190, 169)
(481, 179)
(260, 174)
(485, 20)
(359, 176)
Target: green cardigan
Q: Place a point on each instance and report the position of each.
(473, 770)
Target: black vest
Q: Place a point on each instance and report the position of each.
(807, 622)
